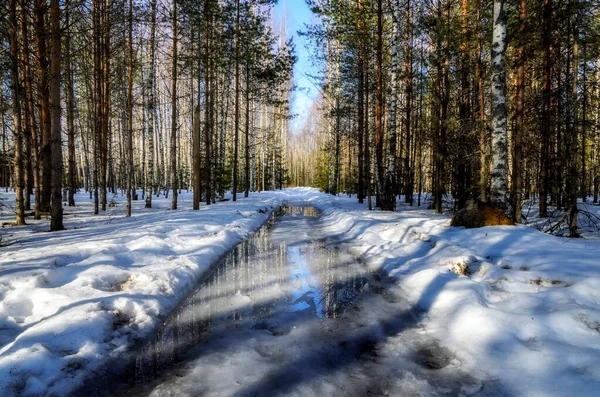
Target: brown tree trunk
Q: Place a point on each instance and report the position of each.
(72, 176)
(367, 148)
(40, 11)
(236, 123)
(16, 98)
(208, 98)
(247, 135)
(360, 113)
(130, 111)
(105, 104)
(386, 196)
(464, 110)
(483, 141)
(408, 71)
(519, 130)
(56, 220)
(196, 158)
(174, 176)
(30, 111)
(151, 106)
(546, 103)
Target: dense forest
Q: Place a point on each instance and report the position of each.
(494, 101)
(497, 101)
(141, 96)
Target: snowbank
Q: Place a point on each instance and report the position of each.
(71, 299)
(516, 306)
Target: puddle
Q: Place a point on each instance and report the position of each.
(282, 271)
(281, 315)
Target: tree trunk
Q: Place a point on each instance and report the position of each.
(151, 106)
(483, 135)
(56, 220)
(207, 99)
(236, 126)
(105, 87)
(360, 115)
(499, 110)
(519, 130)
(72, 176)
(408, 87)
(367, 164)
(546, 103)
(384, 200)
(174, 176)
(196, 159)
(40, 11)
(130, 111)
(464, 111)
(30, 111)
(16, 98)
(247, 135)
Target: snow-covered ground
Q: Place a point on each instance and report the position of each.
(514, 305)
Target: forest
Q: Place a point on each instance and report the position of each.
(299, 197)
(494, 101)
(117, 97)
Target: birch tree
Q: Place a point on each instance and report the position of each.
(499, 109)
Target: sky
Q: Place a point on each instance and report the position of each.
(297, 13)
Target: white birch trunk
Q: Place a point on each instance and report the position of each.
(499, 111)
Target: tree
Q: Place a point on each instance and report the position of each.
(16, 100)
(174, 172)
(499, 110)
(130, 186)
(56, 220)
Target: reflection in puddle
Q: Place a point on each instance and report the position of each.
(281, 269)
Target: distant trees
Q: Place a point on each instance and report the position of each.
(481, 100)
(144, 92)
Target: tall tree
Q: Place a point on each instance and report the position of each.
(16, 99)
(150, 87)
(499, 109)
(519, 127)
(40, 12)
(130, 185)
(72, 176)
(56, 220)
(236, 125)
(174, 174)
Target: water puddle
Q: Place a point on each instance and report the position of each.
(281, 315)
(280, 274)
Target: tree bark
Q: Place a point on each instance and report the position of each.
(174, 176)
(56, 220)
(247, 135)
(408, 88)
(130, 111)
(151, 106)
(207, 101)
(72, 174)
(236, 126)
(499, 109)
(519, 130)
(40, 11)
(546, 103)
(360, 111)
(385, 198)
(16, 98)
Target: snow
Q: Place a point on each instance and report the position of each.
(516, 307)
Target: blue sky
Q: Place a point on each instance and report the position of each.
(298, 14)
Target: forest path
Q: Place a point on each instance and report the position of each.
(289, 313)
